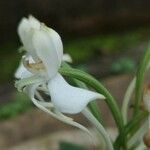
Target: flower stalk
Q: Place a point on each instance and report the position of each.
(99, 127)
(127, 99)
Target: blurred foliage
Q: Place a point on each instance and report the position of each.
(19, 104)
(8, 61)
(69, 146)
(82, 49)
(123, 65)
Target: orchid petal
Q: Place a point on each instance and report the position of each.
(30, 90)
(34, 23)
(69, 99)
(46, 51)
(25, 30)
(56, 40)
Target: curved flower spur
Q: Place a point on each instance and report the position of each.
(38, 72)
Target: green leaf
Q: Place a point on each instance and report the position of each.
(144, 65)
(131, 127)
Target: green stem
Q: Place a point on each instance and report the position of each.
(89, 80)
(95, 111)
(139, 134)
(99, 127)
(127, 99)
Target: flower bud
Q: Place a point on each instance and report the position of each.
(146, 138)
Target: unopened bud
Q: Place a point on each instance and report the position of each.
(146, 138)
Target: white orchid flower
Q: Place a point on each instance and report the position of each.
(38, 71)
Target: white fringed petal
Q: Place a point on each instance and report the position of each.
(69, 99)
(45, 47)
